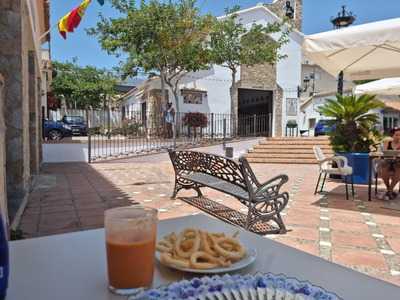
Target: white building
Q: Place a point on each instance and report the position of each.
(266, 90)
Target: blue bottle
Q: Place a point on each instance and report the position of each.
(4, 260)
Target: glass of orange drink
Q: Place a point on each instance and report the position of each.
(130, 243)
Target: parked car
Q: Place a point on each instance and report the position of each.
(323, 127)
(76, 123)
(67, 126)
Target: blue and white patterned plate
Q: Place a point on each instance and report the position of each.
(239, 287)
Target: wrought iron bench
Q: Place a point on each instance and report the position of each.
(194, 170)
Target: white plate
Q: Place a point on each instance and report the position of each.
(251, 255)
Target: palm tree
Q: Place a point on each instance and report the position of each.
(353, 121)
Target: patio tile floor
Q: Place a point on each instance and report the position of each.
(357, 234)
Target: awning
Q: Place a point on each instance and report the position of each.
(368, 51)
(387, 86)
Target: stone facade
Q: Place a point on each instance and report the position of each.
(278, 111)
(278, 8)
(263, 77)
(20, 66)
(3, 199)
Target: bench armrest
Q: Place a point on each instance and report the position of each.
(272, 186)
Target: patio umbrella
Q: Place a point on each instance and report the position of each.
(387, 86)
(368, 51)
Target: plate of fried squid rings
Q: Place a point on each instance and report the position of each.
(199, 251)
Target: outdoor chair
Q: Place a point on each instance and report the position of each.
(336, 165)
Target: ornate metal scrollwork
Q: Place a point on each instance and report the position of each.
(264, 200)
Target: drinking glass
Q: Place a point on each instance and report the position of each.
(130, 243)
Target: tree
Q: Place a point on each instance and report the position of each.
(353, 122)
(82, 87)
(233, 45)
(162, 36)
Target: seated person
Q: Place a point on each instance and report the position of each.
(389, 169)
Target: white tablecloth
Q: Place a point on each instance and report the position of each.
(73, 266)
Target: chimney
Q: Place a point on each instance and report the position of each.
(292, 9)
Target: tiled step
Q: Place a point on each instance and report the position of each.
(281, 160)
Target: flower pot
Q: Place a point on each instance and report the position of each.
(359, 163)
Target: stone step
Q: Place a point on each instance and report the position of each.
(291, 151)
(303, 138)
(284, 150)
(294, 142)
(280, 155)
(282, 160)
(291, 146)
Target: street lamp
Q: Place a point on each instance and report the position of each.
(343, 19)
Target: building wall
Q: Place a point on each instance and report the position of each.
(282, 78)
(20, 66)
(310, 110)
(323, 82)
(3, 198)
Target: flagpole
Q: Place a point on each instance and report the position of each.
(101, 2)
(48, 31)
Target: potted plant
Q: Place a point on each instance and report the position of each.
(292, 126)
(353, 130)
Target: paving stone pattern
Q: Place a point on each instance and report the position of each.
(354, 233)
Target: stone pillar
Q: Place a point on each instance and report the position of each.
(34, 114)
(3, 192)
(278, 102)
(14, 67)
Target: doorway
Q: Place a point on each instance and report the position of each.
(255, 111)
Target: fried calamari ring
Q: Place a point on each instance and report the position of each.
(236, 251)
(165, 246)
(202, 260)
(171, 237)
(168, 259)
(205, 243)
(181, 238)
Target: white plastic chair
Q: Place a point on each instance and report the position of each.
(326, 168)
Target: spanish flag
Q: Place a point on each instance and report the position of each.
(71, 20)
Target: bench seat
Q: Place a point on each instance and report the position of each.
(218, 184)
(265, 201)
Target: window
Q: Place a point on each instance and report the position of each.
(291, 106)
(193, 96)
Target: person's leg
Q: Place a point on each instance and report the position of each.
(385, 175)
(169, 128)
(395, 179)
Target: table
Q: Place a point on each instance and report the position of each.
(372, 156)
(73, 266)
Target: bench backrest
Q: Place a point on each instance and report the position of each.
(218, 166)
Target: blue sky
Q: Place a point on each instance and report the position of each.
(316, 16)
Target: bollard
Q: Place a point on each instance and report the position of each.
(229, 152)
(224, 135)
